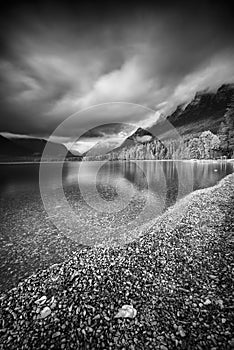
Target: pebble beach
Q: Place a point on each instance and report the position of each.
(177, 278)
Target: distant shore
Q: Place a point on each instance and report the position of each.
(177, 276)
(156, 160)
(39, 162)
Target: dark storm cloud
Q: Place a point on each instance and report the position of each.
(58, 59)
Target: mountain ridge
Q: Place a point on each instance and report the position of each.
(202, 129)
(204, 112)
(207, 111)
(30, 149)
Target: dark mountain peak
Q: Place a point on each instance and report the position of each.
(201, 98)
(206, 97)
(205, 112)
(30, 148)
(178, 111)
(226, 88)
(141, 134)
(7, 148)
(201, 93)
(225, 93)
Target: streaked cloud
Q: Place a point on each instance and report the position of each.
(61, 61)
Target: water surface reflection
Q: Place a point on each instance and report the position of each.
(29, 240)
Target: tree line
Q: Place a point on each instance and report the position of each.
(207, 145)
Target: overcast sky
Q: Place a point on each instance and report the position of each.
(59, 59)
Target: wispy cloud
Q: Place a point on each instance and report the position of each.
(156, 57)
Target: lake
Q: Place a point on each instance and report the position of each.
(111, 203)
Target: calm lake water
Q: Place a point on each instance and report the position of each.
(111, 204)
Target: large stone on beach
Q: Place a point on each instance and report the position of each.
(45, 312)
(126, 311)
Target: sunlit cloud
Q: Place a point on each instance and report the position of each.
(159, 60)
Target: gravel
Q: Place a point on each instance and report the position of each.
(177, 276)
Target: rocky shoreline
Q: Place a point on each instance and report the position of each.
(178, 278)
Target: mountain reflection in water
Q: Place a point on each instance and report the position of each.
(136, 191)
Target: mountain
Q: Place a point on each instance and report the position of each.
(140, 136)
(36, 146)
(205, 112)
(103, 148)
(30, 149)
(207, 122)
(9, 149)
(140, 145)
(205, 127)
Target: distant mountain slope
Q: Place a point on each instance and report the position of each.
(29, 148)
(140, 145)
(140, 136)
(9, 149)
(205, 112)
(36, 146)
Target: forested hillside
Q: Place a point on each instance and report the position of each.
(208, 125)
